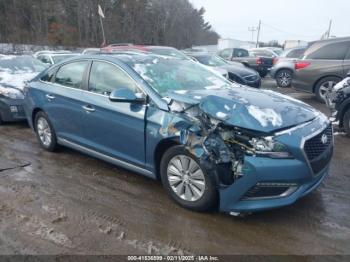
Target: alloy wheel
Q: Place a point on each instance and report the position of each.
(186, 178)
(328, 85)
(44, 131)
(284, 79)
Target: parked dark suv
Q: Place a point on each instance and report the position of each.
(261, 64)
(338, 100)
(325, 63)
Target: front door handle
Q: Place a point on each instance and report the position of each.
(50, 97)
(89, 109)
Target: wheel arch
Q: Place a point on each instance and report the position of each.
(159, 151)
(323, 77)
(284, 68)
(34, 112)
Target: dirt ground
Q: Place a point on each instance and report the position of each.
(69, 203)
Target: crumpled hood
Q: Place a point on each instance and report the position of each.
(260, 110)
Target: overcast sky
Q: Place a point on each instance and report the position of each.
(281, 19)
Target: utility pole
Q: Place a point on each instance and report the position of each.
(252, 29)
(329, 29)
(257, 39)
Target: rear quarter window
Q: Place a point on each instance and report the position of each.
(332, 51)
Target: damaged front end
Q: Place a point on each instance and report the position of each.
(221, 148)
(255, 154)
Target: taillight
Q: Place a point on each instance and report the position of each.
(275, 60)
(259, 61)
(301, 65)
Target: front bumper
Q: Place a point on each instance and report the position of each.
(255, 84)
(12, 110)
(295, 174)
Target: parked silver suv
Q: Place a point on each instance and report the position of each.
(325, 63)
(283, 68)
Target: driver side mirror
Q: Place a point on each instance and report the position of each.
(125, 95)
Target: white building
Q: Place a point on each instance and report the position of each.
(224, 43)
(288, 44)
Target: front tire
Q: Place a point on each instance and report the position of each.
(45, 132)
(323, 85)
(284, 78)
(186, 181)
(346, 122)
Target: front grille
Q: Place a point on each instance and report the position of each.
(317, 145)
(319, 149)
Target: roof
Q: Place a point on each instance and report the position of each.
(144, 48)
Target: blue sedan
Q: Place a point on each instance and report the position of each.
(209, 141)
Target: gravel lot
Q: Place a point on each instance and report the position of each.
(69, 203)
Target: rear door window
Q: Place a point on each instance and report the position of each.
(105, 78)
(333, 51)
(72, 74)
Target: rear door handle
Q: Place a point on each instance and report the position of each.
(89, 109)
(50, 97)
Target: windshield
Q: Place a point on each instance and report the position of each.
(168, 52)
(171, 75)
(60, 58)
(210, 60)
(20, 63)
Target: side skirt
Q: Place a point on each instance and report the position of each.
(106, 158)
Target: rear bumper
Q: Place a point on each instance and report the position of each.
(303, 83)
(12, 110)
(273, 71)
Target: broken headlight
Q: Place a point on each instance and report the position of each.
(270, 148)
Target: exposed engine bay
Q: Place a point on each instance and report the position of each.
(217, 145)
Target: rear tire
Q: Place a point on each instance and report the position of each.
(284, 78)
(44, 132)
(186, 181)
(346, 122)
(323, 85)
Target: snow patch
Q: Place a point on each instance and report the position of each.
(221, 115)
(265, 116)
(12, 83)
(181, 92)
(213, 87)
(344, 83)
